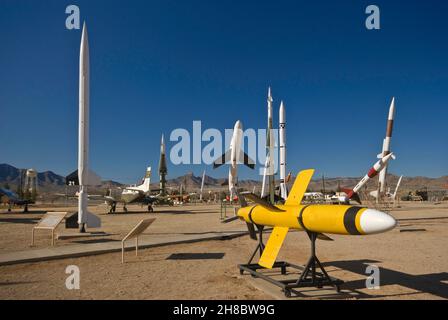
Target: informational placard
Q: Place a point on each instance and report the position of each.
(135, 233)
(49, 221)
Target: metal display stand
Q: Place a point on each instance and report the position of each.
(309, 276)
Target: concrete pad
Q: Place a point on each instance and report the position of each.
(72, 251)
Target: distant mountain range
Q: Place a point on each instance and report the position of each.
(49, 181)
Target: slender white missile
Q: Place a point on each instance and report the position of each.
(377, 167)
(85, 176)
(386, 145)
(282, 134)
(270, 148)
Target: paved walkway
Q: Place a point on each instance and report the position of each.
(81, 250)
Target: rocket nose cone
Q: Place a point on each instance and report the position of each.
(238, 125)
(373, 221)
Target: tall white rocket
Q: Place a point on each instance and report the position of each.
(85, 176)
(386, 146)
(282, 138)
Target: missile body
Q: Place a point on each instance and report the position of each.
(315, 219)
(162, 167)
(235, 147)
(85, 176)
(386, 145)
(270, 147)
(373, 172)
(282, 138)
(333, 219)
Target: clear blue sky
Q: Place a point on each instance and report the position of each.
(159, 65)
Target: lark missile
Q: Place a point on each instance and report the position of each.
(373, 172)
(162, 166)
(233, 156)
(386, 145)
(282, 138)
(85, 176)
(314, 219)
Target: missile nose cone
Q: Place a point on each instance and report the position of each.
(238, 125)
(373, 221)
(392, 109)
(269, 95)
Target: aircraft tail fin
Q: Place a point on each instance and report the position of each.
(273, 246)
(298, 189)
(147, 180)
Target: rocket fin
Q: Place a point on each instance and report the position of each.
(245, 159)
(222, 159)
(261, 202)
(93, 221)
(298, 189)
(93, 179)
(273, 246)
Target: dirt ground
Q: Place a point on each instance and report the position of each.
(412, 260)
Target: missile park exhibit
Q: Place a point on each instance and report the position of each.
(244, 152)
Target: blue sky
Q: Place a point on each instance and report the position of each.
(159, 65)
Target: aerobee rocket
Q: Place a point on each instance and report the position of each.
(386, 146)
(85, 176)
(317, 219)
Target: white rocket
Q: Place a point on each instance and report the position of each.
(386, 146)
(233, 156)
(282, 138)
(85, 176)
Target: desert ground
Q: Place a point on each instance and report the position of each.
(412, 258)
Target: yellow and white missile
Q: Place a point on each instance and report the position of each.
(319, 219)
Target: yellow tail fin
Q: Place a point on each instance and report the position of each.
(298, 189)
(273, 247)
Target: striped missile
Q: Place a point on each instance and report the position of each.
(318, 219)
(373, 172)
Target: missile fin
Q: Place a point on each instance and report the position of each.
(298, 189)
(252, 233)
(230, 219)
(261, 202)
(322, 236)
(273, 246)
(245, 159)
(222, 159)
